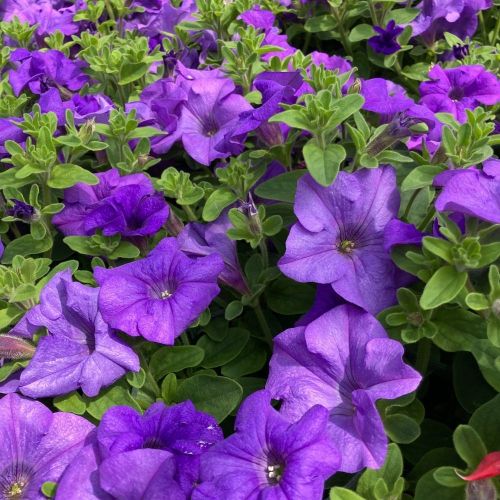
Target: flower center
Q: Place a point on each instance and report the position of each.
(14, 481)
(165, 294)
(274, 473)
(153, 442)
(346, 246)
(456, 94)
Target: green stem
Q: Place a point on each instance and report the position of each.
(189, 212)
(264, 252)
(109, 10)
(484, 35)
(268, 334)
(495, 32)
(427, 219)
(15, 230)
(343, 34)
(373, 13)
(423, 356)
(410, 203)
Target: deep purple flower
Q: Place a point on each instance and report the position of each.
(339, 237)
(386, 40)
(324, 300)
(47, 16)
(345, 362)
(268, 457)
(161, 17)
(458, 17)
(211, 114)
(79, 351)
(40, 71)
(198, 240)
(454, 90)
(160, 296)
(90, 106)
(22, 211)
(161, 447)
(82, 199)
(160, 106)
(131, 211)
(37, 445)
(258, 17)
(384, 97)
(398, 232)
(472, 192)
(10, 132)
(276, 39)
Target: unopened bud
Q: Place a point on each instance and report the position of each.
(12, 347)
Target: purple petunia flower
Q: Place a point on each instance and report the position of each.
(79, 351)
(198, 240)
(384, 97)
(386, 40)
(258, 17)
(37, 445)
(162, 447)
(268, 457)
(339, 237)
(40, 71)
(471, 192)
(44, 13)
(131, 211)
(160, 296)
(345, 362)
(81, 200)
(208, 117)
(454, 90)
(437, 17)
(22, 211)
(10, 132)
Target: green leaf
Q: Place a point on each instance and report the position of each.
(339, 493)
(125, 250)
(49, 489)
(440, 247)
(116, 395)
(218, 396)
(173, 359)
(469, 445)
(421, 176)
(361, 32)
(71, 403)
(402, 16)
(220, 353)
(285, 296)
(401, 428)
(217, 202)
(320, 23)
(67, 175)
(447, 476)
(233, 310)
(280, 188)
(428, 488)
(169, 388)
(445, 284)
(136, 379)
(323, 164)
(251, 359)
(25, 245)
(293, 118)
(130, 72)
(485, 421)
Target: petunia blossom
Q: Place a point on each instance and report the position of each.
(269, 457)
(37, 445)
(198, 240)
(453, 90)
(345, 362)
(339, 237)
(162, 447)
(79, 351)
(385, 41)
(471, 192)
(160, 296)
